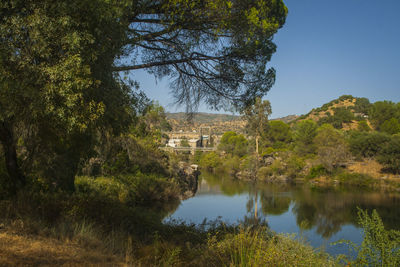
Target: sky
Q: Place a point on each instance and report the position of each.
(325, 49)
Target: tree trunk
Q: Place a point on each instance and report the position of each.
(17, 180)
(257, 137)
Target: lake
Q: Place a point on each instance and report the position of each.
(320, 216)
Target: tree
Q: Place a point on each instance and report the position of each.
(57, 85)
(305, 132)
(278, 131)
(362, 105)
(233, 143)
(391, 126)
(60, 67)
(331, 146)
(389, 155)
(367, 144)
(256, 116)
(363, 126)
(380, 112)
(214, 50)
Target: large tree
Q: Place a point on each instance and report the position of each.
(57, 84)
(61, 63)
(256, 116)
(214, 50)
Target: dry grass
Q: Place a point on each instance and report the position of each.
(25, 250)
(373, 169)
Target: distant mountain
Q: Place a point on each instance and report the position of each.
(202, 117)
(344, 112)
(220, 123)
(286, 119)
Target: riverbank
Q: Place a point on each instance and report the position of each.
(109, 222)
(101, 225)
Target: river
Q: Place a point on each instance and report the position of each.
(318, 216)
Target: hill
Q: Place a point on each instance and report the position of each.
(344, 112)
(219, 122)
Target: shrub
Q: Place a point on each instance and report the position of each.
(380, 247)
(259, 248)
(363, 126)
(389, 155)
(210, 161)
(391, 126)
(367, 144)
(317, 171)
(233, 143)
(294, 166)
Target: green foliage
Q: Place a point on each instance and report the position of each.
(380, 112)
(232, 165)
(362, 105)
(331, 147)
(367, 144)
(317, 171)
(391, 126)
(132, 190)
(257, 247)
(389, 155)
(305, 132)
(278, 131)
(341, 115)
(256, 116)
(233, 144)
(294, 166)
(380, 247)
(363, 126)
(210, 161)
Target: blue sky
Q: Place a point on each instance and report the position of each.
(326, 49)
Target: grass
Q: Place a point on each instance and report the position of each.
(96, 226)
(93, 228)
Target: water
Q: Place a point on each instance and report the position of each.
(320, 216)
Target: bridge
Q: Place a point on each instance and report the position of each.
(191, 149)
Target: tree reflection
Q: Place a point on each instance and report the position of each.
(325, 210)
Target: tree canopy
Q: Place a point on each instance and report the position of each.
(62, 66)
(214, 51)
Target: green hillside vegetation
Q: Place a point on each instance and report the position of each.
(320, 149)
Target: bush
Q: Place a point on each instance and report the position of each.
(391, 126)
(233, 143)
(367, 144)
(210, 161)
(317, 171)
(389, 155)
(294, 166)
(380, 247)
(259, 248)
(363, 126)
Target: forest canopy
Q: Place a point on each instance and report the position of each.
(62, 65)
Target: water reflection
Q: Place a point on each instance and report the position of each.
(322, 215)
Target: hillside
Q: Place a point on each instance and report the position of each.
(219, 122)
(344, 112)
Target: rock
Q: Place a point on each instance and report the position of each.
(187, 178)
